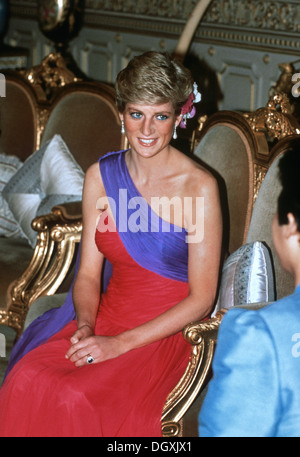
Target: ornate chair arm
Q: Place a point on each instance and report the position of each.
(202, 336)
(68, 212)
(57, 236)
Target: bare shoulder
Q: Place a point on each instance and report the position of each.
(93, 185)
(198, 179)
(93, 172)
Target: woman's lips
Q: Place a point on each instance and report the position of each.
(147, 142)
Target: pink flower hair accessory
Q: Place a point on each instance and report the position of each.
(188, 110)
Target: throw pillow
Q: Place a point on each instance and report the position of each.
(48, 177)
(9, 165)
(247, 277)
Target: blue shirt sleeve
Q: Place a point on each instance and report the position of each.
(243, 396)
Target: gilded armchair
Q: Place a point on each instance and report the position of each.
(59, 111)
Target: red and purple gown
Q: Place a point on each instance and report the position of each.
(44, 394)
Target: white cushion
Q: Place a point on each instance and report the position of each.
(9, 165)
(48, 177)
(247, 277)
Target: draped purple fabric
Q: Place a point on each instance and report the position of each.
(151, 241)
(141, 231)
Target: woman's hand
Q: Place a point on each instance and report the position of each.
(84, 344)
(82, 332)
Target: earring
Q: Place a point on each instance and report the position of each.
(175, 133)
(122, 127)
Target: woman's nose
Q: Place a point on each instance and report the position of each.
(147, 127)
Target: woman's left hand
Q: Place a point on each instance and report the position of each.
(101, 348)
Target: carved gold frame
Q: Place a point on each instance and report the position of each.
(53, 255)
(269, 125)
(203, 337)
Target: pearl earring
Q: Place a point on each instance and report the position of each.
(174, 133)
(122, 127)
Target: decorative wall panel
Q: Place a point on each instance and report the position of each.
(265, 24)
(98, 55)
(236, 50)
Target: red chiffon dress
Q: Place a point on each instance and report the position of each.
(46, 395)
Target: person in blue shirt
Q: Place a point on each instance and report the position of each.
(255, 389)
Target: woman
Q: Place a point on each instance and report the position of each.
(108, 372)
(255, 389)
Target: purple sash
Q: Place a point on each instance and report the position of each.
(153, 243)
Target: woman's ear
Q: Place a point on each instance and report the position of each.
(178, 120)
(291, 226)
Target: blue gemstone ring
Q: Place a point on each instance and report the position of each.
(90, 359)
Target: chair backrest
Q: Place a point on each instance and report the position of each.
(265, 207)
(227, 146)
(19, 117)
(85, 115)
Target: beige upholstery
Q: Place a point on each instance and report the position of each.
(43, 304)
(264, 209)
(85, 116)
(227, 146)
(15, 255)
(18, 117)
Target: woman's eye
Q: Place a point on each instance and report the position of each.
(162, 117)
(136, 115)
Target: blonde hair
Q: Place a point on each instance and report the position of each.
(153, 78)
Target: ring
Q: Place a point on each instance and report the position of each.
(90, 359)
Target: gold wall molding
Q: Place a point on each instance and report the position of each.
(257, 24)
(256, 14)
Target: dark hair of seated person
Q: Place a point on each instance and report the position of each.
(289, 173)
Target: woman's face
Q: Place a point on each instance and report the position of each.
(149, 128)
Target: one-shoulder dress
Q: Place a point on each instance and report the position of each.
(44, 394)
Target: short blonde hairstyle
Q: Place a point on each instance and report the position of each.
(153, 78)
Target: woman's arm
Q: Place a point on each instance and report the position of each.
(203, 272)
(86, 291)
